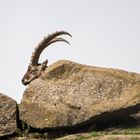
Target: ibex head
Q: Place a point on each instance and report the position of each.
(35, 69)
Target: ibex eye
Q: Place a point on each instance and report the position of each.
(33, 71)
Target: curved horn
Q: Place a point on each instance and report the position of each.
(45, 43)
(57, 40)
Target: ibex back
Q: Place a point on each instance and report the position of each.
(35, 69)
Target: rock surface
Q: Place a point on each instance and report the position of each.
(69, 94)
(8, 115)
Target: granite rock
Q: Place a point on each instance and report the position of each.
(70, 94)
(8, 115)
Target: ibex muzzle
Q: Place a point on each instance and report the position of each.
(35, 69)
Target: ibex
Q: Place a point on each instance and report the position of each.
(35, 69)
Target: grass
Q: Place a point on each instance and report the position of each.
(134, 132)
(128, 131)
(93, 134)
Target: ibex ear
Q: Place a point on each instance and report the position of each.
(44, 64)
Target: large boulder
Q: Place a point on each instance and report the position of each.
(69, 94)
(8, 115)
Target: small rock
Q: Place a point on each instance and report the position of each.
(70, 94)
(8, 115)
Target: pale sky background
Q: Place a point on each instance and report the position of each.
(106, 33)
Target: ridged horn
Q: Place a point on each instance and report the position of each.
(45, 43)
